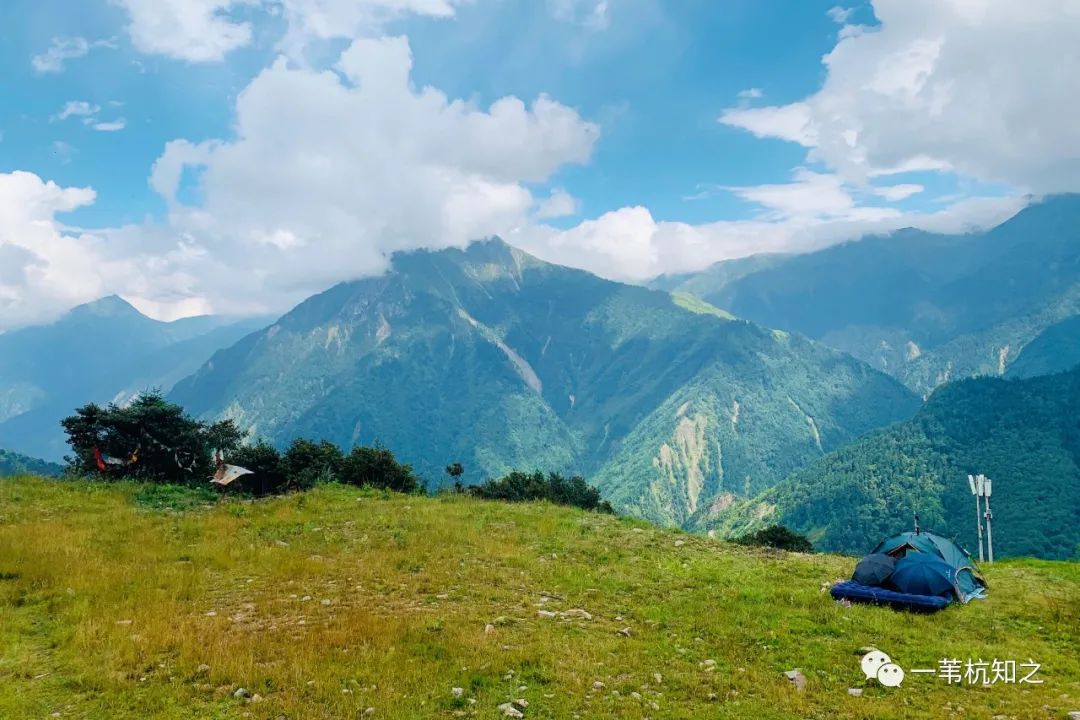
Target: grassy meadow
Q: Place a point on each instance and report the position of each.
(128, 601)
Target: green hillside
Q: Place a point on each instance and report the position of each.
(494, 359)
(1056, 349)
(15, 464)
(102, 351)
(925, 308)
(1025, 435)
(325, 604)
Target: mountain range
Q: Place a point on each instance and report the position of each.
(926, 308)
(1023, 434)
(102, 351)
(493, 358)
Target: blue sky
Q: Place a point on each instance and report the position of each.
(166, 142)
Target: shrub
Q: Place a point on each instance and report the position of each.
(264, 461)
(378, 468)
(522, 487)
(306, 463)
(779, 537)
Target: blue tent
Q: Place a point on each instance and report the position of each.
(923, 574)
(967, 581)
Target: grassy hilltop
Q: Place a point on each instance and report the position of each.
(132, 602)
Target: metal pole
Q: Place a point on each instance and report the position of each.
(976, 490)
(989, 517)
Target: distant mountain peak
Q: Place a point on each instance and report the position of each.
(108, 306)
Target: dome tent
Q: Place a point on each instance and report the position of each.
(968, 583)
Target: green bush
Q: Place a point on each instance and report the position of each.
(522, 487)
(306, 463)
(378, 468)
(779, 537)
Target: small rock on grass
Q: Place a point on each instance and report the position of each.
(796, 678)
(625, 632)
(854, 692)
(1074, 715)
(240, 693)
(457, 692)
(598, 685)
(508, 710)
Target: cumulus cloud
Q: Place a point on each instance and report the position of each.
(983, 88)
(556, 205)
(191, 30)
(62, 49)
(79, 108)
(329, 19)
(591, 14)
(628, 244)
(46, 267)
(330, 171)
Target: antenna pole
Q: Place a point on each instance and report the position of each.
(976, 489)
(989, 517)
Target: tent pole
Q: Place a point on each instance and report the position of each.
(989, 536)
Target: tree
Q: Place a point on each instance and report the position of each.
(378, 468)
(264, 461)
(520, 486)
(455, 471)
(306, 463)
(149, 439)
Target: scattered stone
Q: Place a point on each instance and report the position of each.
(327, 602)
(369, 711)
(713, 697)
(796, 678)
(854, 692)
(625, 632)
(123, 622)
(508, 710)
(547, 614)
(256, 698)
(598, 685)
(637, 530)
(636, 695)
(202, 669)
(442, 596)
(212, 613)
(240, 693)
(522, 688)
(577, 613)
(282, 543)
(522, 703)
(488, 629)
(680, 543)
(658, 678)
(1074, 715)
(457, 692)
(655, 706)
(709, 663)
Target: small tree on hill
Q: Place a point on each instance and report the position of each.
(378, 468)
(455, 471)
(779, 537)
(306, 463)
(149, 439)
(520, 486)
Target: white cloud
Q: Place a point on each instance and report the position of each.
(331, 171)
(630, 245)
(192, 30)
(984, 88)
(810, 194)
(840, 15)
(558, 204)
(76, 108)
(591, 14)
(46, 268)
(62, 49)
(110, 125)
(792, 122)
(750, 94)
(895, 193)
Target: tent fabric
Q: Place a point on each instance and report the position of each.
(924, 574)
(874, 569)
(968, 581)
(856, 592)
(225, 474)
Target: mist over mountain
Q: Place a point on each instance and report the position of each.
(925, 308)
(101, 351)
(495, 359)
